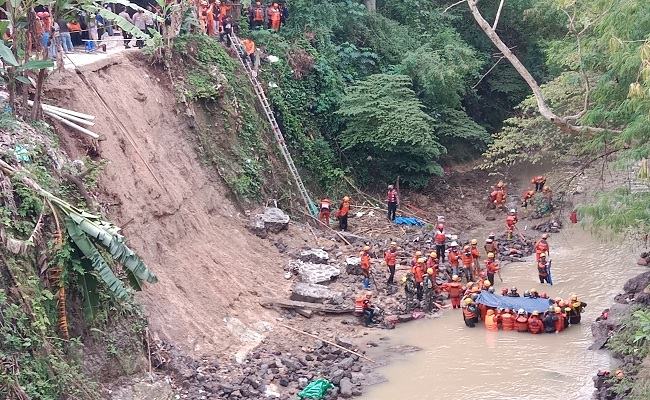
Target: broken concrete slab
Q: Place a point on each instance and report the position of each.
(316, 256)
(314, 273)
(269, 219)
(353, 266)
(313, 293)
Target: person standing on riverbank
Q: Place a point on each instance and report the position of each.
(511, 223)
(342, 213)
(390, 258)
(439, 238)
(365, 266)
(491, 267)
(392, 200)
(454, 257)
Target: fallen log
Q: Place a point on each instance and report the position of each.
(297, 305)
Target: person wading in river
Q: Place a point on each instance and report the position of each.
(390, 258)
(577, 307)
(542, 269)
(455, 289)
(535, 325)
(491, 267)
(470, 313)
(392, 200)
(542, 247)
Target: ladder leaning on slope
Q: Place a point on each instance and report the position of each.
(279, 138)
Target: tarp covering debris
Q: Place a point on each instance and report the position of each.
(411, 221)
(513, 303)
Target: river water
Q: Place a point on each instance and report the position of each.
(462, 363)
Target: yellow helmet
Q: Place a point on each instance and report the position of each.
(455, 278)
(469, 301)
(434, 254)
(361, 253)
(558, 310)
(574, 297)
(474, 241)
(366, 248)
(543, 255)
(422, 260)
(487, 283)
(418, 253)
(430, 271)
(533, 290)
(500, 184)
(490, 255)
(567, 309)
(346, 198)
(393, 244)
(404, 279)
(547, 189)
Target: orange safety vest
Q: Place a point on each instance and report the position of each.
(433, 264)
(511, 221)
(468, 314)
(492, 266)
(258, 14)
(249, 46)
(535, 325)
(453, 258)
(507, 322)
(559, 323)
(541, 247)
(344, 209)
(491, 322)
(475, 253)
(453, 288)
(440, 237)
(274, 15)
(521, 323)
(541, 269)
(390, 258)
(538, 179)
(418, 272)
(365, 261)
(467, 258)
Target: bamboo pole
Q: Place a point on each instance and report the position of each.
(328, 342)
(64, 110)
(69, 117)
(73, 125)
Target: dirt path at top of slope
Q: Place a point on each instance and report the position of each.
(210, 269)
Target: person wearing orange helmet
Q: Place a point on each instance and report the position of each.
(499, 195)
(511, 223)
(455, 289)
(342, 213)
(542, 247)
(390, 258)
(539, 181)
(491, 323)
(491, 267)
(365, 266)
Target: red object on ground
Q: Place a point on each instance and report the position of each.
(573, 217)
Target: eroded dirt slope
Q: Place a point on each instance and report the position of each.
(211, 270)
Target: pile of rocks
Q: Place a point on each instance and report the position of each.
(552, 226)
(269, 219)
(275, 374)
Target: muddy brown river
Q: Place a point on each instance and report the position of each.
(462, 363)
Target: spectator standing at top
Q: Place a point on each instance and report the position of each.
(140, 22)
(256, 15)
(66, 39)
(275, 17)
(392, 200)
(126, 35)
(74, 27)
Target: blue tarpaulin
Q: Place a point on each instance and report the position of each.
(513, 303)
(411, 221)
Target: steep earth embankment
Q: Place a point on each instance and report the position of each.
(175, 212)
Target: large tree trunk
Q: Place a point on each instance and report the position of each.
(562, 122)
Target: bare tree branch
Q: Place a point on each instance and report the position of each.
(453, 5)
(561, 122)
(583, 73)
(488, 72)
(496, 19)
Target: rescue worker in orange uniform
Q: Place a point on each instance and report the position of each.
(542, 269)
(470, 313)
(256, 16)
(365, 266)
(455, 289)
(491, 246)
(528, 195)
(468, 262)
(499, 195)
(325, 210)
(539, 181)
(249, 49)
(577, 307)
(535, 325)
(415, 258)
(342, 213)
(491, 267)
(432, 262)
(439, 238)
(390, 258)
(521, 322)
(550, 319)
(548, 194)
(392, 200)
(418, 273)
(561, 319)
(507, 320)
(476, 258)
(210, 20)
(454, 257)
(511, 223)
(491, 321)
(275, 17)
(542, 247)
(368, 309)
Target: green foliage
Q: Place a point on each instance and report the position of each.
(201, 86)
(620, 212)
(387, 133)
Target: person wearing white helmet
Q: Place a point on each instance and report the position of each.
(542, 247)
(390, 259)
(454, 257)
(392, 200)
(521, 322)
(511, 223)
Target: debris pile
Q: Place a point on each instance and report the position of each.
(270, 219)
(552, 226)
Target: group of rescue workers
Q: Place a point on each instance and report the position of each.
(460, 272)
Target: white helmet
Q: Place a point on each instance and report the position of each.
(454, 244)
(512, 210)
(521, 311)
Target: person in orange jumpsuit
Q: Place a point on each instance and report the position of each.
(432, 262)
(561, 319)
(256, 16)
(499, 195)
(528, 195)
(542, 247)
(211, 20)
(491, 321)
(521, 322)
(476, 258)
(455, 289)
(539, 181)
(507, 320)
(342, 213)
(491, 246)
(491, 267)
(468, 262)
(535, 325)
(418, 273)
(511, 223)
(390, 258)
(415, 258)
(365, 266)
(325, 210)
(249, 49)
(454, 258)
(275, 17)
(542, 269)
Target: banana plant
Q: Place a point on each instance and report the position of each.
(88, 231)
